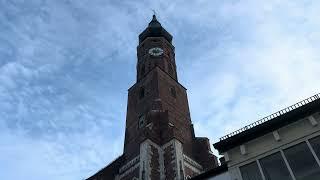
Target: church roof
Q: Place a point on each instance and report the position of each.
(155, 29)
(110, 171)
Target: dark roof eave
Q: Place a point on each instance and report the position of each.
(212, 172)
(112, 164)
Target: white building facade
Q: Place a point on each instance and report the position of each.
(282, 146)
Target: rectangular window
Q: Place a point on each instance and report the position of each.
(315, 143)
(302, 162)
(274, 167)
(250, 172)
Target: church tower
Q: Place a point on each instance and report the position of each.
(160, 143)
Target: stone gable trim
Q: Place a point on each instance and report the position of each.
(167, 144)
(129, 171)
(161, 158)
(129, 164)
(192, 163)
(145, 159)
(192, 168)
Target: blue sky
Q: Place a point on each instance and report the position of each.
(65, 67)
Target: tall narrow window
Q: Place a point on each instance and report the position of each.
(173, 92)
(141, 93)
(250, 172)
(170, 69)
(274, 167)
(315, 143)
(142, 70)
(302, 162)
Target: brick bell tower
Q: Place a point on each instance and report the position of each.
(160, 143)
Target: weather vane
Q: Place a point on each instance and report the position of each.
(154, 12)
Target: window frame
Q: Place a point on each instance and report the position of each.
(281, 150)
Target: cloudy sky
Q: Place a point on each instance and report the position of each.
(65, 67)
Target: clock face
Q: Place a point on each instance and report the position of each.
(156, 51)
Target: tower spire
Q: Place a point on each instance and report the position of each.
(154, 22)
(154, 12)
(154, 17)
(155, 29)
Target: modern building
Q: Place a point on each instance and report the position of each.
(160, 143)
(282, 146)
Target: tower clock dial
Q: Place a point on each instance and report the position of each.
(156, 51)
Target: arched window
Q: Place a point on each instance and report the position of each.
(141, 121)
(141, 93)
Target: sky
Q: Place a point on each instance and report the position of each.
(66, 66)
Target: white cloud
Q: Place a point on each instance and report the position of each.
(65, 68)
(274, 67)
